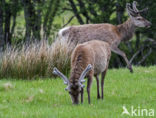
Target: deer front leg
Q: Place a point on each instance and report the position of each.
(98, 92)
(81, 95)
(121, 53)
(89, 82)
(102, 83)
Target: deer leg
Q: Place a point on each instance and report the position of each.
(81, 95)
(102, 83)
(121, 53)
(97, 81)
(89, 82)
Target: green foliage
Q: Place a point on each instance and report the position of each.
(47, 98)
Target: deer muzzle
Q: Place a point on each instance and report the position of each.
(148, 24)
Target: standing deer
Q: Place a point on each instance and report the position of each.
(107, 32)
(88, 59)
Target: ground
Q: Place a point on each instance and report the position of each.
(46, 98)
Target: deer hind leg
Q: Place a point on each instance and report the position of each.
(102, 83)
(89, 82)
(98, 92)
(121, 53)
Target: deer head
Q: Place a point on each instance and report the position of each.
(74, 87)
(135, 16)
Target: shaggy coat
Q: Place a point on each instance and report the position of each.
(88, 59)
(95, 52)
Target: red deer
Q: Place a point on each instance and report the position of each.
(107, 32)
(88, 59)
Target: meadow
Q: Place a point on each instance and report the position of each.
(46, 98)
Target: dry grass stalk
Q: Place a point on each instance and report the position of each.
(35, 60)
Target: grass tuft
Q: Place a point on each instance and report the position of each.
(35, 60)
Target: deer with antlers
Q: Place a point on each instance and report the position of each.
(88, 59)
(107, 32)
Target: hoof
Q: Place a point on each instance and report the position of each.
(130, 68)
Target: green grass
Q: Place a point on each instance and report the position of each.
(46, 98)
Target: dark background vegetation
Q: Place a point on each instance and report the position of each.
(33, 20)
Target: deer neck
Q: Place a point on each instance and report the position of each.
(76, 72)
(126, 30)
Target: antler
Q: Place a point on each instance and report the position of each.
(131, 11)
(128, 6)
(134, 7)
(57, 72)
(136, 10)
(81, 80)
(143, 10)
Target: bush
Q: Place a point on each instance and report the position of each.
(35, 60)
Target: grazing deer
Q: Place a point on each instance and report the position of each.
(88, 59)
(107, 32)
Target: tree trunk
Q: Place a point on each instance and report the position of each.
(27, 20)
(53, 13)
(84, 11)
(37, 20)
(119, 13)
(76, 12)
(33, 21)
(46, 18)
(49, 17)
(1, 28)
(7, 35)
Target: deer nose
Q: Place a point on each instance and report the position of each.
(148, 24)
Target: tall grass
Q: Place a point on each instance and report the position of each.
(35, 60)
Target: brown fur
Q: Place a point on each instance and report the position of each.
(97, 53)
(106, 32)
(126, 30)
(89, 53)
